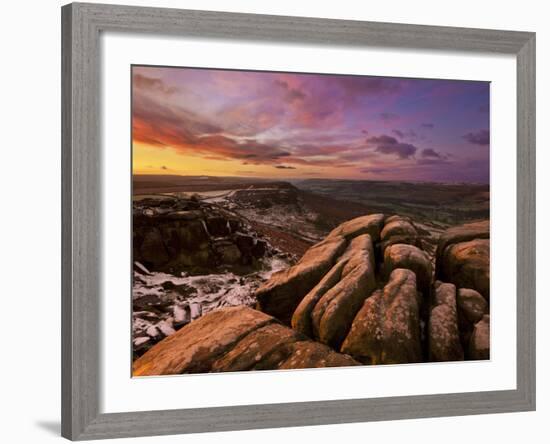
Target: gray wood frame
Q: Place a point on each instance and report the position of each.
(81, 165)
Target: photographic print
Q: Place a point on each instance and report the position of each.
(288, 221)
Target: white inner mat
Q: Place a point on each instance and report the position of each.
(120, 392)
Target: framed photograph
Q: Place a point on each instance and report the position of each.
(281, 221)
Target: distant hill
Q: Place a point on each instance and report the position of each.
(440, 204)
(158, 183)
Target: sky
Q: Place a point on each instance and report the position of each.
(192, 121)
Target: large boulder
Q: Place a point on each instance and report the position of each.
(195, 347)
(327, 311)
(398, 230)
(443, 332)
(333, 314)
(280, 296)
(227, 252)
(301, 319)
(152, 248)
(386, 330)
(176, 235)
(471, 308)
(183, 233)
(411, 258)
(463, 233)
(480, 340)
(466, 264)
(219, 226)
(471, 304)
(370, 224)
(254, 349)
(235, 339)
(462, 256)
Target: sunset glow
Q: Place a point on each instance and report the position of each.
(282, 125)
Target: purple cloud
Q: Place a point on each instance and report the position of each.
(388, 117)
(358, 85)
(390, 145)
(290, 94)
(432, 161)
(286, 120)
(374, 170)
(398, 133)
(480, 137)
(410, 134)
(153, 84)
(429, 152)
(483, 109)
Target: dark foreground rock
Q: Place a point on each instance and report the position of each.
(179, 235)
(192, 257)
(235, 339)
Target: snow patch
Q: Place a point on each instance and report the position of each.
(167, 302)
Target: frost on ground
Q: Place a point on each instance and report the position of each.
(163, 303)
(292, 219)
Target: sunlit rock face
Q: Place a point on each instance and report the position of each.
(236, 339)
(463, 255)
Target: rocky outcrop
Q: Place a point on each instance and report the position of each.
(176, 234)
(235, 339)
(386, 330)
(463, 255)
(443, 332)
(281, 295)
(365, 294)
(385, 311)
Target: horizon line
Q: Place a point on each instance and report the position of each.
(282, 179)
